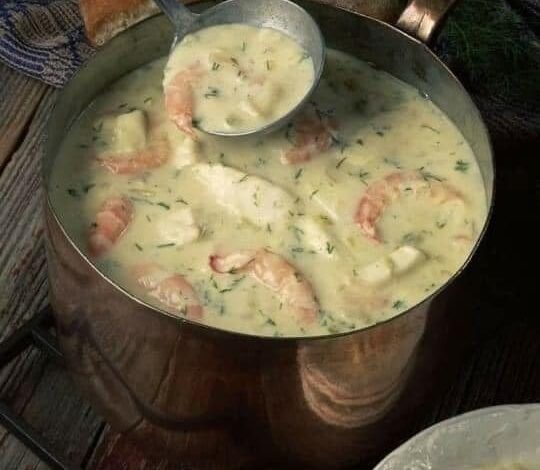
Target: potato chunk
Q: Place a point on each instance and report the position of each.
(378, 272)
(127, 131)
(396, 263)
(245, 195)
(405, 258)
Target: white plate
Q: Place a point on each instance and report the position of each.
(488, 436)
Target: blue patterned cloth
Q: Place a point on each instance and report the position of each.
(43, 38)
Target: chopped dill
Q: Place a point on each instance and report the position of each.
(462, 166)
(212, 93)
(425, 126)
(244, 178)
(341, 162)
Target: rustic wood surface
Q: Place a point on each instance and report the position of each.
(505, 366)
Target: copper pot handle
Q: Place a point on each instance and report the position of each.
(421, 17)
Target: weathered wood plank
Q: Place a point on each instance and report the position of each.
(31, 386)
(19, 97)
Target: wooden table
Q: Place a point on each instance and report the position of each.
(505, 366)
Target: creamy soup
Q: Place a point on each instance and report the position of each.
(360, 208)
(238, 78)
(512, 466)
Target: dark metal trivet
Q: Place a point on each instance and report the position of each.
(36, 333)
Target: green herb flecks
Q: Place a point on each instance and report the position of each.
(440, 224)
(298, 174)
(73, 192)
(139, 247)
(297, 232)
(428, 176)
(412, 238)
(303, 57)
(329, 248)
(432, 129)
(164, 205)
(392, 162)
(165, 245)
(212, 93)
(244, 178)
(462, 166)
(341, 162)
(398, 304)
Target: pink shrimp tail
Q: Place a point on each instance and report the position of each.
(179, 100)
(136, 162)
(170, 289)
(313, 135)
(275, 273)
(381, 193)
(111, 222)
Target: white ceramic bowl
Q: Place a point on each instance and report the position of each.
(485, 437)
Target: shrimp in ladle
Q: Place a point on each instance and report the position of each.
(179, 101)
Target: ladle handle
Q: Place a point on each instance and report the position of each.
(421, 17)
(179, 15)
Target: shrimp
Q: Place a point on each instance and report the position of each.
(313, 135)
(111, 222)
(275, 273)
(170, 289)
(179, 98)
(135, 162)
(383, 192)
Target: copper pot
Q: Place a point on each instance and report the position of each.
(216, 399)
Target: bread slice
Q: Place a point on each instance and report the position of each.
(104, 19)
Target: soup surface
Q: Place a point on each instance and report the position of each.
(512, 466)
(359, 209)
(235, 77)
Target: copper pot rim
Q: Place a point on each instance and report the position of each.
(287, 339)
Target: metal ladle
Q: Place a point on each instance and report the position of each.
(282, 15)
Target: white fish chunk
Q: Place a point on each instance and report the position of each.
(244, 195)
(317, 237)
